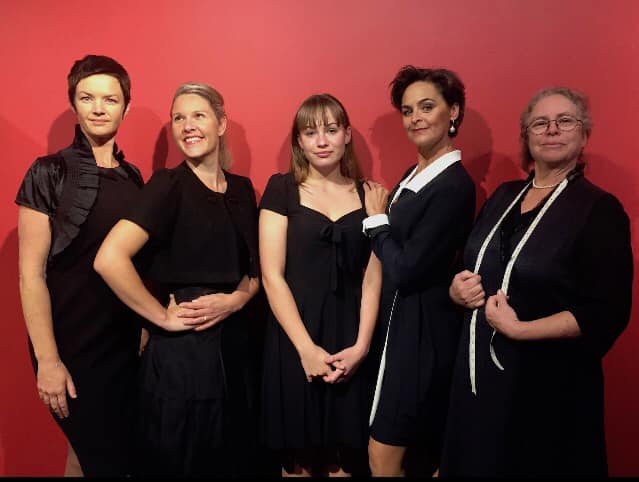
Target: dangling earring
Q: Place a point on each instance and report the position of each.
(452, 129)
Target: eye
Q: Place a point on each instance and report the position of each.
(111, 101)
(332, 130)
(177, 117)
(200, 115)
(85, 98)
(308, 132)
(427, 107)
(406, 112)
(539, 123)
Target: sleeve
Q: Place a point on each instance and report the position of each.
(604, 264)
(40, 187)
(275, 195)
(434, 239)
(158, 205)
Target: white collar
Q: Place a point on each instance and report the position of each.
(429, 173)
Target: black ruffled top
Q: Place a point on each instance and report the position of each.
(64, 186)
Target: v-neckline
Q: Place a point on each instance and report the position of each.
(320, 213)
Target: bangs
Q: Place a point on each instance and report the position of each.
(317, 111)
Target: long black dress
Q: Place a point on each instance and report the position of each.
(195, 386)
(543, 414)
(418, 249)
(97, 336)
(325, 263)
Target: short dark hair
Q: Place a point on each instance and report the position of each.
(313, 111)
(98, 64)
(446, 81)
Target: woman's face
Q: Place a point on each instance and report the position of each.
(195, 127)
(99, 106)
(555, 147)
(324, 144)
(426, 115)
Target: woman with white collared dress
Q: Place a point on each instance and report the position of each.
(417, 238)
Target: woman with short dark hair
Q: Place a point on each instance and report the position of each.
(417, 237)
(84, 342)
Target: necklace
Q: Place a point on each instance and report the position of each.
(537, 186)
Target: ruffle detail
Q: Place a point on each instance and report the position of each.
(80, 190)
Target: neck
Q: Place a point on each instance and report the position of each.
(331, 174)
(549, 176)
(102, 150)
(427, 157)
(210, 173)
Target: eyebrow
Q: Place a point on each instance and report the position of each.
(420, 101)
(558, 115)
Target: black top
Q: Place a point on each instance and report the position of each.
(198, 236)
(543, 414)
(64, 186)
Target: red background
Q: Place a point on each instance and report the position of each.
(265, 58)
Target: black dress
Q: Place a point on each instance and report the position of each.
(543, 414)
(195, 385)
(418, 249)
(97, 336)
(325, 263)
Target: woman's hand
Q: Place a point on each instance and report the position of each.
(53, 381)
(345, 363)
(313, 363)
(207, 310)
(375, 198)
(466, 290)
(501, 316)
(144, 340)
(172, 321)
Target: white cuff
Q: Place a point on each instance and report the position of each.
(374, 221)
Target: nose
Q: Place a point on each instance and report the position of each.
(414, 117)
(98, 107)
(188, 125)
(553, 127)
(321, 138)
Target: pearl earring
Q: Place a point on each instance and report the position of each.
(452, 127)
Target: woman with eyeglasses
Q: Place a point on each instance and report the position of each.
(546, 292)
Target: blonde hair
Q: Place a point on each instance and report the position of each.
(216, 101)
(313, 111)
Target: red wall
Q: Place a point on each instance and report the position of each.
(266, 57)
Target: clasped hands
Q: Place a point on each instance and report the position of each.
(466, 290)
(335, 368)
(200, 313)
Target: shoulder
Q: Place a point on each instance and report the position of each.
(280, 181)
(133, 171)
(603, 203)
(50, 165)
(239, 182)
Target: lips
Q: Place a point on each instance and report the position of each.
(190, 140)
(323, 154)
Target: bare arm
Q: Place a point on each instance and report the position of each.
(53, 379)
(503, 318)
(348, 360)
(114, 263)
(272, 234)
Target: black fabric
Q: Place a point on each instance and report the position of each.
(325, 263)
(196, 387)
(96, 335)
(427, 229)
(198, 236)
(543, 415)
(64, 186)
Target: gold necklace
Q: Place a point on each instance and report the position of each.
(537, 186)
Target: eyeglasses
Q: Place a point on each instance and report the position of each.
(564, 123)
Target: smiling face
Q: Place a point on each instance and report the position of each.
(426, 116)
(195, 127)
(554, 147)
(99, 106)
(324, 143)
